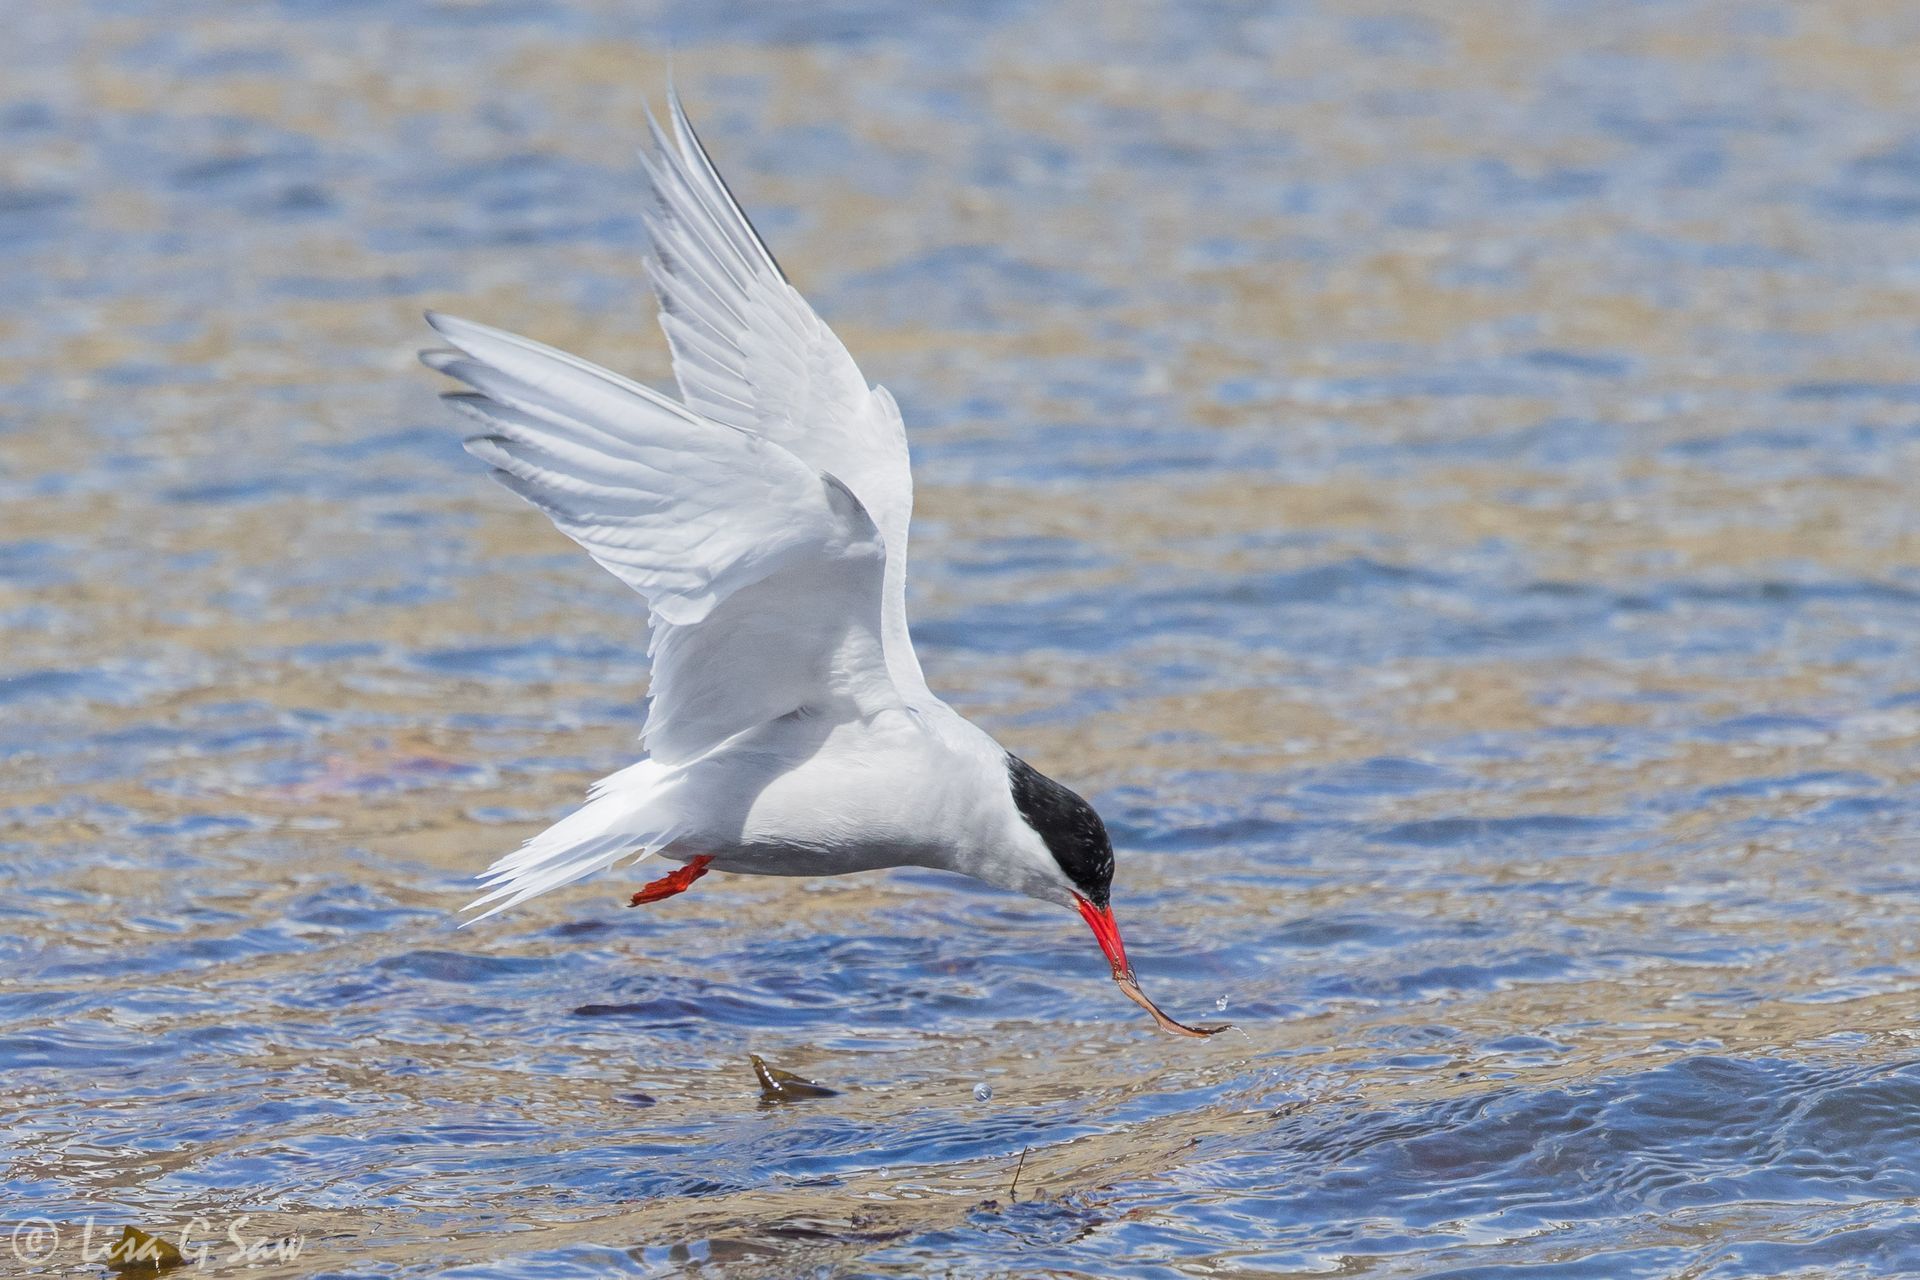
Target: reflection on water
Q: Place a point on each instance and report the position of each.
(1440, 476)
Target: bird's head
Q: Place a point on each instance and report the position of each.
(1076, 845)
(1076, 868)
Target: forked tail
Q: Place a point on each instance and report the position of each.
(625, 813)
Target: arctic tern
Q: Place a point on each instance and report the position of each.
(763, 517)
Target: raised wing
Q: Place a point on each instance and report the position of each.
(749, 352)
(764, 577)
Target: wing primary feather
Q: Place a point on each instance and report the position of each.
(701, 302)
(490, 388)
(696, 337)
(690, 142)
(712, 208)
(545, 368)
(665, 171)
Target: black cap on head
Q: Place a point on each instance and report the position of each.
(1070, 828)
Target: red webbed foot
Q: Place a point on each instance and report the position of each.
(675, 881)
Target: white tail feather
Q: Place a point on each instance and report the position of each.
(624, 814)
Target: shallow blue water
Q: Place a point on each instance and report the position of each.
(1439, 480)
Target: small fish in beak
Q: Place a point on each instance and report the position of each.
(1107, 932)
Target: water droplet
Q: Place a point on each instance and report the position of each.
(1221, 1003)
(982, 1091)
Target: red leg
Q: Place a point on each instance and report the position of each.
(676, 881)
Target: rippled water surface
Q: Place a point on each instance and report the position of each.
(1441, 478)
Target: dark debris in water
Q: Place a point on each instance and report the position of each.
(141, 1251)
(778, 1085)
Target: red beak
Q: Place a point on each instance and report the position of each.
(1107, 933)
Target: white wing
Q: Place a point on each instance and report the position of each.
(748, 351)
(763, 576)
